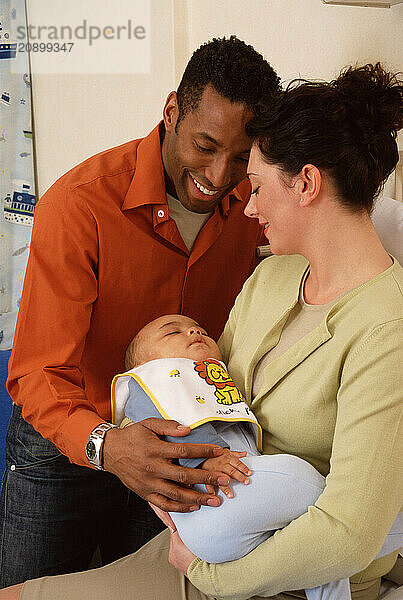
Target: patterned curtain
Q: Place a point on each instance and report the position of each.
(17, 188)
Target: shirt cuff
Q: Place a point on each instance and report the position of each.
(73, 436)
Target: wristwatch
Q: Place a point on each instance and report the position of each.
(93, 447)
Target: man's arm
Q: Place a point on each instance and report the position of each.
(45, 378)
(55, 313)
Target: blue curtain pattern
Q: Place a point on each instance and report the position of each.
(17, 188)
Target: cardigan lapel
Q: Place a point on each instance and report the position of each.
(267, 342)
(276, 370)
(266, 329)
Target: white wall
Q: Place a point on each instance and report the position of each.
(304, 37)
(77, 115)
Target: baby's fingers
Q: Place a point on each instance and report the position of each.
(238, 471)
(238, 464)
(233, 471)
(227, 491)
(239, 476)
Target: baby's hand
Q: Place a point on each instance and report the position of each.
(229, 464)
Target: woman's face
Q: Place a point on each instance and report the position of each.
(274, 202)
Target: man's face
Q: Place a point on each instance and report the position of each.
(175, 336)
(208, 155)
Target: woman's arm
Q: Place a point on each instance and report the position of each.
(344, 531)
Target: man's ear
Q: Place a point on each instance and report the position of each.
(171, 111)
(309, 184)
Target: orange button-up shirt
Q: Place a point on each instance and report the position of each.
(106, 259)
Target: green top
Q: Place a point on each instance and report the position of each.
(333, 399)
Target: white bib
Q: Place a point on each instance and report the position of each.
(187, 391)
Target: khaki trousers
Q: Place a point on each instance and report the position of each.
(145, 575)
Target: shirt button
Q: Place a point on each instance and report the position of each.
(12, 468)
(161, 213)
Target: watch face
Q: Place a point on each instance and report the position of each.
(91, 450)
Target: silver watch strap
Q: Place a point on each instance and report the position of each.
(93, 448)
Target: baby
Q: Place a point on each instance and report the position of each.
(175, 372)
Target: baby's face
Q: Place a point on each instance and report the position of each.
(175, 336)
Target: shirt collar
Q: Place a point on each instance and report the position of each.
(240, 193)
(148, 183)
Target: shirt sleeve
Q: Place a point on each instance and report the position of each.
(140, 407)
(59, 291)
(344, 531)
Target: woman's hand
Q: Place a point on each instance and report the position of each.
(180, 556)
(164, 516)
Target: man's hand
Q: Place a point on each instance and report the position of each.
(143, 462)
(229, 464)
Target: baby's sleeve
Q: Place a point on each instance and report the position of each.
(204, 434)
(140, 407)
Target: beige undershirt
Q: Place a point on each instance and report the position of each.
(302, 319)
(188, 223)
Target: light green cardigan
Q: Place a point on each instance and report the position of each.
(334, 399)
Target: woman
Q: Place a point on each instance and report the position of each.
(314, 341)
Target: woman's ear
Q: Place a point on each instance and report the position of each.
(309, 184)
(171, 111)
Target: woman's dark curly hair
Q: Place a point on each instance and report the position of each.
(347, 127)
(233, 68)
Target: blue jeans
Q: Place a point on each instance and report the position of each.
(54, 514)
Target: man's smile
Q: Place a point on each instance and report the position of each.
(203, 189)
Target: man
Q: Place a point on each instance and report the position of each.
(154, 226)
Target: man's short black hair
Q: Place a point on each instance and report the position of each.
(233, 68)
